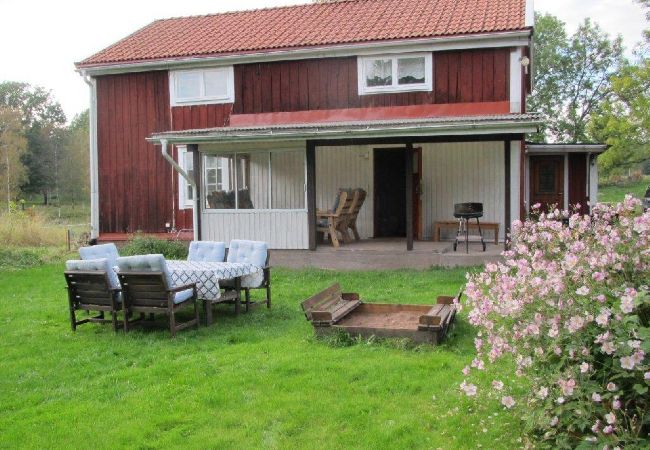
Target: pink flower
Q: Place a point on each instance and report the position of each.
(498, 385)
(466, 370)
(608, 429)
(646, 376)
(583, 290)
(596, 397)
(608, 348)
(554, 421)
(616, 404)
(468, 389)
(595, 427)
(598, 276)
(542, 392)
(584, 367)
(611, 387)
(627, 362)
(567, 386)
(508, 402)
(610, 418)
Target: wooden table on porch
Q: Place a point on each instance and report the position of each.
(453, 224)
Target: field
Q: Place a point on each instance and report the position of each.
(260, 380)
(616, 193)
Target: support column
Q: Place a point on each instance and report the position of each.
(409, 196)
(196, 164)
(311, 192)
(508, 187)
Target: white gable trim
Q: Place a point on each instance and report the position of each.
(530, 13)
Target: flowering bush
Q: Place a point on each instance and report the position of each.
(571, 305)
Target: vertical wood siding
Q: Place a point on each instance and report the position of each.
(288, 180)
(135, 182)
(462, 172)
(280, 229)
(200, 116)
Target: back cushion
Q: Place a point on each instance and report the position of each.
(252, 252)
(208, 251)
(145, 263)
(101, 265)
(108, 251)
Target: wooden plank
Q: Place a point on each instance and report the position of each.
(344, 310)
(311, 193)
(488, 76)
(432, 317)
(441, 77)
(465, 81)
(308, 304)
(276, 90)
(477, 76)
(453, 76)
(303, 81)
(285, 88)
(314, 84)
(501, 74)
(294, 83)
(267, 87)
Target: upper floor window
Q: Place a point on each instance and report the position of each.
(395, 73)
(190, 87)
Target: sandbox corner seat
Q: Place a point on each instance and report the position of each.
(108, 251)
(207, 251)
(257, 254)
(147, 287)
(93, 286)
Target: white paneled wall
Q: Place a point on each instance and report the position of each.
(259, 180)
(462, 172)
(288, 180)
(345, 167)
(280, 229)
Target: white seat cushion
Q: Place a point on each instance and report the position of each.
(208, 251)
(100, 265)
(251, 252)
(182, 296)
(108, 251)
(145, 263)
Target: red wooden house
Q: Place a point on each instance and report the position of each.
(268, 112)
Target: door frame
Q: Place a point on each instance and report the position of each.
(565, 176)
(417, 191)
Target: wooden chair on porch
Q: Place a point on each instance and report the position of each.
(358, 198)
(336, 221)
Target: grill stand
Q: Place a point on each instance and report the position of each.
(463, 228)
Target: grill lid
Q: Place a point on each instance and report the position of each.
(468, 210)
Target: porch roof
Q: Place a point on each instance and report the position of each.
(407, 128)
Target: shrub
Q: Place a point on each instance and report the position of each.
(28, 228)
(570, 305)
(144, 245)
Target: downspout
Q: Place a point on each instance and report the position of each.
(190, 180)
(94, 174)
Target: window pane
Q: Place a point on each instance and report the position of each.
(253, 180)
(379, 72)
(216, 83)
(288, 180)
(220, 182)
(188, 85)
(411, 71)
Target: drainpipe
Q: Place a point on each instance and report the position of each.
(94, 174)
(190, 180)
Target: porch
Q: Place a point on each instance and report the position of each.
(387, 254)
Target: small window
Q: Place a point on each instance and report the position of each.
(190, 87)
(185, 191)
(396, 73)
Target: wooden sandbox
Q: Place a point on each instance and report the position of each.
(332, 310)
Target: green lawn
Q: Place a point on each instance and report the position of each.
(616, 193)
(260, 380)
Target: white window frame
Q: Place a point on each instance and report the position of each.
(202, 99)
(183, 201)
(369, 90)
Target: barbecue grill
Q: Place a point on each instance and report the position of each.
(465, 212)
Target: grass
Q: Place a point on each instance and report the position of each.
(616, 192)
(260, 380)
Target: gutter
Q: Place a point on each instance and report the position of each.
(94, 174)
(190, 181)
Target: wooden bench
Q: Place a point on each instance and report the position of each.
(453, 225)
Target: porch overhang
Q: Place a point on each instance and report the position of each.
(409, 129)
(545, 149)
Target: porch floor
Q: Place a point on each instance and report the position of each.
(387, 254)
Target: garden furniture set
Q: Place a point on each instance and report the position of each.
(105, 282)
(342, 217)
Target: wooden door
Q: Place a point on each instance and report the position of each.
(547, 181)
(389, 192)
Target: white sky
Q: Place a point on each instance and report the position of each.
(40, 40)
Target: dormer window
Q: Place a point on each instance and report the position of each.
(201, 86)
(395, 73)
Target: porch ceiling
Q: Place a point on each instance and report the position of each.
(407, 128)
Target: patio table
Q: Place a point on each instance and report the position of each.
(206, 276)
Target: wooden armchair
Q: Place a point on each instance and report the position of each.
(333, 222)
(358, 198)
(147, 288)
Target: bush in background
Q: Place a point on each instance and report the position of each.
(145, 245)
(570, 305)
(28, 229)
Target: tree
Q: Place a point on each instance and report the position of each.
(74, 169)
(624, 120)
(44, 122)
(12, 146)
(572, 77)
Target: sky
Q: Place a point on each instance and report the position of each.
(41, 39)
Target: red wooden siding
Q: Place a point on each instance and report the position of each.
(578, 181)
(200, 116)
(135, 182)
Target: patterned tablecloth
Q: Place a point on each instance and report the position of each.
(207, 275)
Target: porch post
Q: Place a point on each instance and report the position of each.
(311, 192)
(409, 196)
(196, 164)
(508, 222)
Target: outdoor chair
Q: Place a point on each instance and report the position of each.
(108, 251)
(358, 198)
(93, 286)
(147, 287)
(257, 254)
(335, 221)
(207, 251)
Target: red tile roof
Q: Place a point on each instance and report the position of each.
(311, 25)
